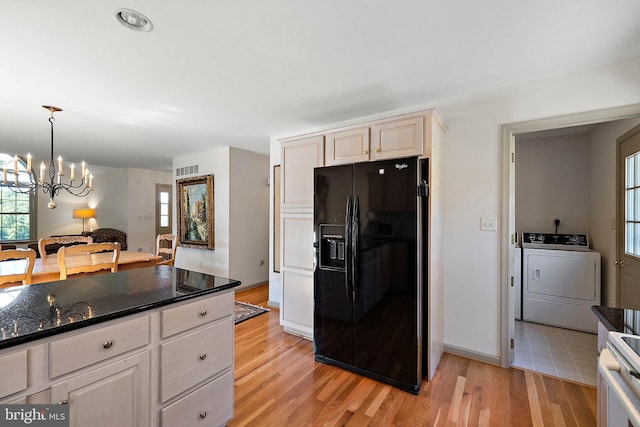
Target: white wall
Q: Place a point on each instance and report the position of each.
(119, 196)
(249, 219)
(552, 181)
(603, 199)
(472, 185)
(108, 199)
(216, 262)
(141, 220)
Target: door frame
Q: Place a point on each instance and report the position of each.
(507, 208)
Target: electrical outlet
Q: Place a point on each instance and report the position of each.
(489, 223)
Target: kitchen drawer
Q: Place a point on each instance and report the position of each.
(210, 405)
(193, 314)
(14, 373)
(190, 359)
(87, 348)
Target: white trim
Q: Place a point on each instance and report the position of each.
(474, 355)
(508, 215)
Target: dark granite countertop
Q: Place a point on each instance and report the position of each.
(618, 319)
(28, 313)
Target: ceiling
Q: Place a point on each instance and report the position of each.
(229, 72)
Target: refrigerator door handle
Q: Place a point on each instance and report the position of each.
(347, 247)
(355, 254)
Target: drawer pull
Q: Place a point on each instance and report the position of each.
(107, 344)
(203, 356)
(63, 402)
(203, 414)
(366, 152)
(203, 313)
(378, 150)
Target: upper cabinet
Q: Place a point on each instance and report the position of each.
(401, 136)
(397, 138)
(349, 146)
(299, 157)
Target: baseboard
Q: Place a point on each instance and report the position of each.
(273, 304)
(475, 355)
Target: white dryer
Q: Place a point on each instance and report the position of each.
(560, 280)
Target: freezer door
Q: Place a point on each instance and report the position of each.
(386, 290)
(333, 310)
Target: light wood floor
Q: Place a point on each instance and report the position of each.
(278, 383)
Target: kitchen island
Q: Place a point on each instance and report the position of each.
(145, 347)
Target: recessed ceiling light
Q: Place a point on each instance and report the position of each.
(134, 20)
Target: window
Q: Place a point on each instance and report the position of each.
(17, 210)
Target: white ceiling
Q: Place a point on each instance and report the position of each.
(235, 72)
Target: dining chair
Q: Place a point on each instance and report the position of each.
(10, 266)
(60, 241)
(88, 258)
(166, 245)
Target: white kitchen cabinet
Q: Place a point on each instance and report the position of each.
(199, 348)
(348, 146)
(114, 395)
(300, 157)
(397, 138)
(165, 364)
(14, 373)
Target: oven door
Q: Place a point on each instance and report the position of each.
(618, 405)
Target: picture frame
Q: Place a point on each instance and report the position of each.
(196, 212)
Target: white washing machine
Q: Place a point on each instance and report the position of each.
(560, 280)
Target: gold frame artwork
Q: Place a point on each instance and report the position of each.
(195, 217)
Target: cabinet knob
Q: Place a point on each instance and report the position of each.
(107, 344)
(203, 356)
(63, 402)
(203, 313)
(366, 152)
(378, 150)
(203, 414)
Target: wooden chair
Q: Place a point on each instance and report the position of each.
(8, 273)
(88, 258)
(166, 245)
(60, 241)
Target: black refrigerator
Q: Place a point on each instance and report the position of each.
(370, 269)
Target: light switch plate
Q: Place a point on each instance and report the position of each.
(489, 223)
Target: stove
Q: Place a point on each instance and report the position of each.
(619, 381)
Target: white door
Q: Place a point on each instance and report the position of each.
(628, 220)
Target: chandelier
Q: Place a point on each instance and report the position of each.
(26, 180)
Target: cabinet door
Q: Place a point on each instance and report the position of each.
(113, 395)
(398, 138)
(299, 157)
(350, 146)
(297, 303)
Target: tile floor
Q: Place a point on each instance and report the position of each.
(556, 351)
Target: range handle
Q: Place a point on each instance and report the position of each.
(347, 247)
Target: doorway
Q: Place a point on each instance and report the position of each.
(508, 227)
(164, 208)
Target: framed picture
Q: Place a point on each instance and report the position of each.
(194, 197)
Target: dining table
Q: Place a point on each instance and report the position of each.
(47, 269)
